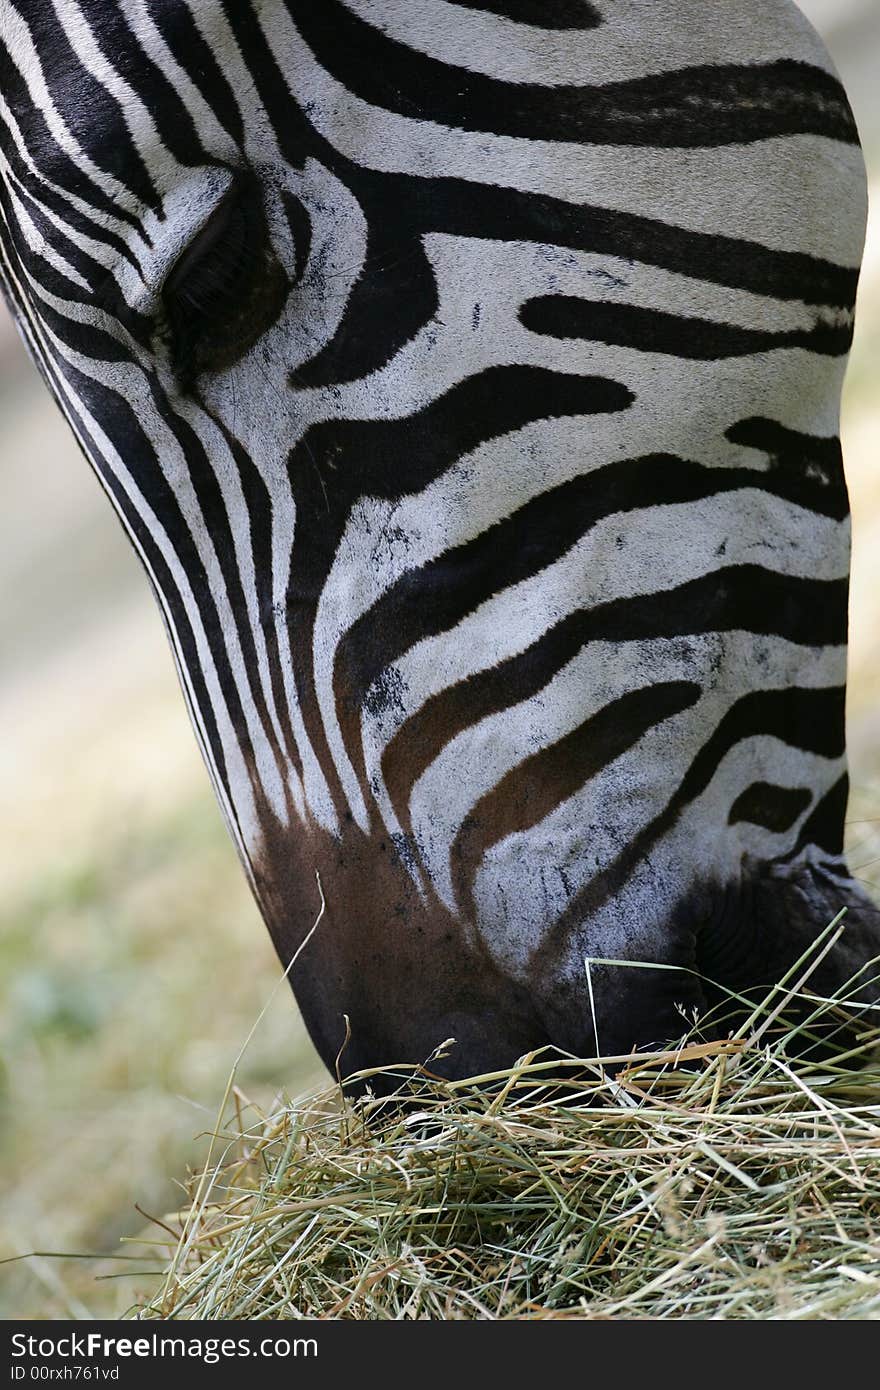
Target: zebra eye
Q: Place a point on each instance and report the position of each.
(225, 290)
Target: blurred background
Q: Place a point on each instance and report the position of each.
(133, 962)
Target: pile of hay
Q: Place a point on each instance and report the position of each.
(721, 1180)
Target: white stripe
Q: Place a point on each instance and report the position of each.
(665, 546)
(158, 160)
(540, 870)
(317, 793)
(635, 39)
(473, 763)
(499, 277)
(211, 133)
(239, 780)
(785, 192)
(105, 255)
(16, 35)
(37, 244)
(261, 146)
(236, 800)
(226, 472)
(130, 384)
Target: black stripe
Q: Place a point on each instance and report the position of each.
(259, 508)
(542, 14)
(162, 581)
(416, 205)
(540, 783)
(812, 720)
(103, 291)
(127, 56)
(339, 461)
(40, 272)
(287, 121)
(51, 160)
(808, 457)
(742, 598)
(199, 61)
(209, 497)
(22, 312)
(826, 826)
(46, 197)
(92, 115)
(697, 107)
(55, 238)
(653, 330)
(471, 209)
(299, 226)
(119, 421)
(395, 296)
(437, 596)
(772, 807)
(84, 338)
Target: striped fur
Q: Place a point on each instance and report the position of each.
(466, 376)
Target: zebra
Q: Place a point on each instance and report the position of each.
(466, 375)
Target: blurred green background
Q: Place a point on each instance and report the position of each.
(133, 960)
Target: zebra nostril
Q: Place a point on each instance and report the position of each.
(225, 289)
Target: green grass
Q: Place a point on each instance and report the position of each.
(131, 978)
(714, 1181)
(135, 975)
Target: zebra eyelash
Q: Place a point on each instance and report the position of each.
(224, 290)
(217, 253)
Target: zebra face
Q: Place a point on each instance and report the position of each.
(467, 379)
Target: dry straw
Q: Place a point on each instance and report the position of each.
(732, 1179)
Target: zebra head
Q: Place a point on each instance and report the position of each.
(466, 376)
